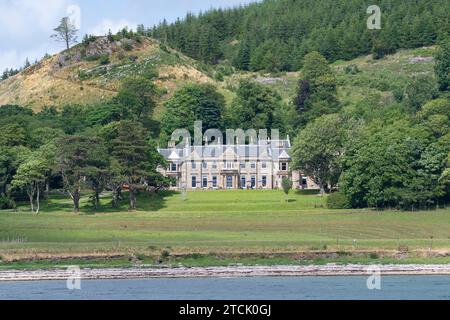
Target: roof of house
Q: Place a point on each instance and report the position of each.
(275, 150)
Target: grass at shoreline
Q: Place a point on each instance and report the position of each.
(236, 224)
(195, 260)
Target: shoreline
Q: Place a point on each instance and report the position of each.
(225, 272)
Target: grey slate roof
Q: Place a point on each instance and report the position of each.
(262, 151)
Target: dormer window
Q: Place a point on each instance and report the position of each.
(284, 166)
(173, 167)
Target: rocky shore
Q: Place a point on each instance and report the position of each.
(232, 271)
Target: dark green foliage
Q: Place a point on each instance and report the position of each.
(137, 95)
(88, 39)
(443, 65)
(6, 203)
(136, 158)
(286, 184)
(420, 90)
(104, 59)
(398, 165)
(337, 200)
(192, 103)
(275, 35)
(80, 157)
(14, 110)
(254, 107)
(318, 149)
(317, 91)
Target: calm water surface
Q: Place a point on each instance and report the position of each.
(259, 288)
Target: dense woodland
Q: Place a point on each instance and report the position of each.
(275, 35)
(367, 154)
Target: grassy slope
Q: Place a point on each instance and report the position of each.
(226, 223)
(40, 86)
(46, 84)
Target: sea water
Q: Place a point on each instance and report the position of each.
(256, 288)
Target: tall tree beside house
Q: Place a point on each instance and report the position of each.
(254, 107)
(318, 149)
(132, 152)
(194, 102)
(66, 32)
(77, 158)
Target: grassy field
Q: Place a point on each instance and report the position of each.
(248, 227)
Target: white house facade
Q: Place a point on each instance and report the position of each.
(219, 166)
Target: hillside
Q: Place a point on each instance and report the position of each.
(359, 78)
(80, 81)
(91, 74)
(275, 35)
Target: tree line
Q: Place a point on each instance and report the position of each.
(79, 148)
(275, 35)
(395, 155)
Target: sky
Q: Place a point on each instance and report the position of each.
(26, 25)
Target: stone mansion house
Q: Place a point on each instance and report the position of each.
(219, 166)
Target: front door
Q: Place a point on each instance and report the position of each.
(243, 182)
(229, 182)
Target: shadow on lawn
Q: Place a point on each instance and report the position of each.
(145, 202)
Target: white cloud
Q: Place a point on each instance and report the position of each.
(22, 18)
(105, 25)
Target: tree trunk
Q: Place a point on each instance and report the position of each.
(76, 201)
(96, 199)
(47, 188)
(38, 202)
(322, 189)
(115, 199)
(31, 196)
(132, 199)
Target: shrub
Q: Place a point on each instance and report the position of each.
(373, 256)
(337, 200)
(82, 75)
(218, 76)
(127, 46)
(104, 59)
(6, 203)
(307, 192)
(165, 254)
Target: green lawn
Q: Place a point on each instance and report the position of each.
(215, 222)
